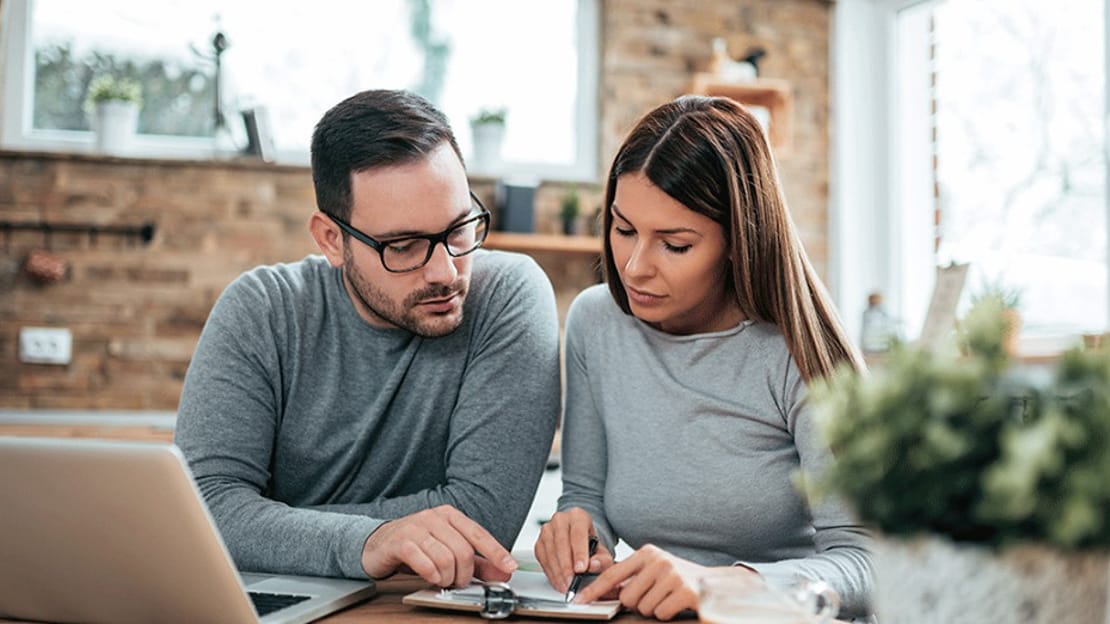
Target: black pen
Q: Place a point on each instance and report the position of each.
(577, 580)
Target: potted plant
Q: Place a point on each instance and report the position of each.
(988, 488)
(569, 208)
(487, 128)
(1009, 299)
(114, 105)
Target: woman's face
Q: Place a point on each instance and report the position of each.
(672, 261)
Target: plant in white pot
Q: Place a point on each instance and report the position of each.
(487, 129)
(569, 209)
(990, 489)
(114, 105)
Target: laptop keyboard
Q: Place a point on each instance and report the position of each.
(268, 603)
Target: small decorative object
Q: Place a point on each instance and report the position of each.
(114, 105)
(940, 319)
(260, 139)
(568, 211)
(878, 328)
(988, 485)
(45, 268)
(725, 68)
(487, 128)
(515, 198)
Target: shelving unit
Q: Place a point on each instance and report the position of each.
(528, 243)
(773, 94)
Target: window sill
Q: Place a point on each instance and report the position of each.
(231, 162)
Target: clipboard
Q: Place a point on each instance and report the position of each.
(526, 594)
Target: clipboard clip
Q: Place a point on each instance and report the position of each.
(499, 601)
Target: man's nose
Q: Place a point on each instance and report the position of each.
(440, 268)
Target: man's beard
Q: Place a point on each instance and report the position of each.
(404, 315)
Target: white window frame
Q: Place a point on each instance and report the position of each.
(866, 164)
(16, 78)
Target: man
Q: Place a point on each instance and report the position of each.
(389, 405)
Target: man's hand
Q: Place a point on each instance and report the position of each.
(441, 545)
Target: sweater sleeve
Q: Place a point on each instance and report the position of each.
(843, 546)
(504, 420)
(584, 454)
(226, 424)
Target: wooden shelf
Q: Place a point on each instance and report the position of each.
(772, 94)
(527, 243)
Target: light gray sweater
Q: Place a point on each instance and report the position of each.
(691, 443)
(306, 427)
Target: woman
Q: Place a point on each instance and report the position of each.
(685, 419)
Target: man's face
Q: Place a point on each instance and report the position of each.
(425, 197)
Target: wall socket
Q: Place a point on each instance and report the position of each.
(45, 345)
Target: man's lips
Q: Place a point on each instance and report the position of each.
(440, 304)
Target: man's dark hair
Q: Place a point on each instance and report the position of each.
(377, 128)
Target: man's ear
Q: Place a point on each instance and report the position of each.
(328, 237)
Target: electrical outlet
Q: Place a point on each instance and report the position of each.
(45, 345)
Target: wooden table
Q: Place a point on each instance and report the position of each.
(387, 607)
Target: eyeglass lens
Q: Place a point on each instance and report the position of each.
(412, 253)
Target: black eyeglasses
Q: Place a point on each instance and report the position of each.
(400, 255)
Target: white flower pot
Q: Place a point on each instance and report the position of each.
(115, 124)
(929, 580)
(488, 138)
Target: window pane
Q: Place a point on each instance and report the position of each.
(1020, 159)
(75, 41)
(299, 59)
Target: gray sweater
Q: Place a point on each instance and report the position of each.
(691, 443)
(306, 427)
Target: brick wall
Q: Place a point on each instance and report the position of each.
(136, 310)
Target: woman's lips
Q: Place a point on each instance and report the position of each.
(643, 297)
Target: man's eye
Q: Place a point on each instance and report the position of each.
(402, 246)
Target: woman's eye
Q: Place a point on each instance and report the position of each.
(676, 248)
(624, 232)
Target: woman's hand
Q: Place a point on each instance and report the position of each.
(656, 583)
(562, 548)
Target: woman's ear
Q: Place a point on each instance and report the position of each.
(327, 236)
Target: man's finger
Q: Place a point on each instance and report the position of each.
(462, 553)
(483, 542)
(421, 564)
(442, 556)
(486, 571)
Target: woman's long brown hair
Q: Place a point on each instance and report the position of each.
(711, 155)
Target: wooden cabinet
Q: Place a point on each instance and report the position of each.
(772, 94)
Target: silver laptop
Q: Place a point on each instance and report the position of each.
(97, 531)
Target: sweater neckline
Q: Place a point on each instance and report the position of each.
(722, 333)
